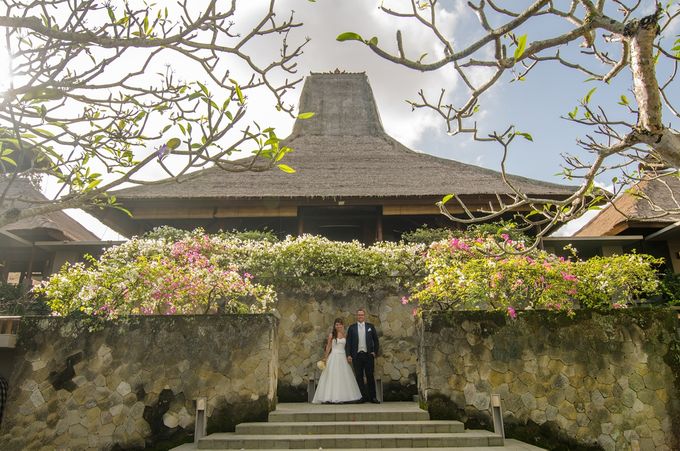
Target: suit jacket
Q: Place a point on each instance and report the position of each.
(352, 344)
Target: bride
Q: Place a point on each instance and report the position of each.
(337, 383)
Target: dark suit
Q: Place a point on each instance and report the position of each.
(363, 362)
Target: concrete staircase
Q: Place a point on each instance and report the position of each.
(394, 425)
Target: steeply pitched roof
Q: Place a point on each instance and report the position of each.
(343, 151)
(58, 224)
(647, 204)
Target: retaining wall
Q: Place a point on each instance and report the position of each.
(601, 380)
(132, 383)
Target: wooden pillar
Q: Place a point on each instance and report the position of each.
(301, 223)
(379, 226)
(28, 279)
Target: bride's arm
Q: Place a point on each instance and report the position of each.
(328, 347)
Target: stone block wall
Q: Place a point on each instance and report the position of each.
(307, 318)
(604, 381)
(132, 383)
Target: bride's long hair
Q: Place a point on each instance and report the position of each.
(334, 332)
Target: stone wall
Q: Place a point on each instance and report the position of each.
(609, 381)
(132, 383)
(307, 319)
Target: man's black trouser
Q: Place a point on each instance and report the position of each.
(363, 365)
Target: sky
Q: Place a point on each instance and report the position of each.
(534, 105)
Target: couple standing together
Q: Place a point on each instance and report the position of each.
(359, 347)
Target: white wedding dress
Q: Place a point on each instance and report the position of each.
(337, 382)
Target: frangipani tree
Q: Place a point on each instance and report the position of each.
(616, 41)
(99, 91)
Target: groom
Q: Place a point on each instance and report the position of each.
(361, 349)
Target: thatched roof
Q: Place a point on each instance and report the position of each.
(343, 151)
(645, 206)
(50, 226)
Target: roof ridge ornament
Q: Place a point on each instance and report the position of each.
(337, 71)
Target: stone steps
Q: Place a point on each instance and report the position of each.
(396, 426)
(510, 445)
(231, 440)
(351, 427)
(326, 414)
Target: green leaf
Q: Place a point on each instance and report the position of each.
(306, 115)
(521, 47)
(239, 94)
(92, 185)
(203, 88)
(572, 114)
(9, 160)
(286, 168)
(173, 143)
(623, 101)
(586, 99)
(373, 41)
(282, 153)
(112, 16)
(44, 132)
(349, 36)
(124, 210)
(447, 198)
(524, 135)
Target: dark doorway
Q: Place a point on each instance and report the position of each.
(342, 223)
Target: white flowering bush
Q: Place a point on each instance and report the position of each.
(312, 256)
(616, 280)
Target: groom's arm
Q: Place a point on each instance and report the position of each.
(349, 343)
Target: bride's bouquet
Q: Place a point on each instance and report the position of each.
(321, 365)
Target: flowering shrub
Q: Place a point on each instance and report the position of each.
(312, 256)
(670, 286)
(427, 235)
(156, 277)
(172, 234)
(615, 281)
(215, 273)
(464, 275)
(191, 272)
